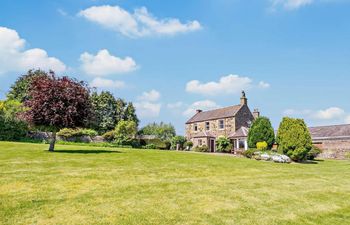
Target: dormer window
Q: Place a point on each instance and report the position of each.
(221, 124)
(195, 127)
(207, 126)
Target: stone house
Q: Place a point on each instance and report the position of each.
(232, 122)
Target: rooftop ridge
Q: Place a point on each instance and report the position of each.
(226, 107)
(336, 125)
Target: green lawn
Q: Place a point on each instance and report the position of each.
(89, 185)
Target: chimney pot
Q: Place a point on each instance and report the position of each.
(199, 111)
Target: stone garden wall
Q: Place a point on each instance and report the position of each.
(335, 149)
(45, 136)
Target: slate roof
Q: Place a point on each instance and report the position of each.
(241, 132)
(330, 132)
(215, 114)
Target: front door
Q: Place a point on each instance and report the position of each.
(212, 145)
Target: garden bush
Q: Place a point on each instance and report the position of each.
(178, 140)
(223, 144)
(249, 153)
(11, 127)
(202, 148)
(109, 136)
(261, 146)
(294, 139)
(158, 143)
(150, 146)
(261, 131)
(12, 130)
(313, 153)
(188, 145)
(68, 133)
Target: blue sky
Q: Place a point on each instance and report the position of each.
(291, 56)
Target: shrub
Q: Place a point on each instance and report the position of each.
(158, 143)
(136, 143)
(188, 145)
(261, 131)
(178, 140)
(12, 130)
(294, 139)
(11, 127)
(202, 148)
(249, 153)
(109, 136)
(312, 154)
(67, 133)
(167, 144)
(261, 146)
(125, 132)
(76, 133)
(223, 144)
(88, 132)
(298, 154)
(150, 146)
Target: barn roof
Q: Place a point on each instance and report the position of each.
(215, 114)
(330, 132)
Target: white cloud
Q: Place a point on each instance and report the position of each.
(331, 113)
(294, 112)
(230, 84)
(150, 96)
(290, 4)
(147, 109)
(140, 23)
(103, 64)
(175, 105)
(14, 58)
(347, 119)
(147, 105)
(106, 83)
(202, 105)
(264, 85)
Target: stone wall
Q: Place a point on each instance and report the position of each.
(334, 149)
(214, 128)
(243, 116)
(46, 136)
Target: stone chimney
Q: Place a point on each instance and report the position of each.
(256, 113)
(199, 111)
(244, 100)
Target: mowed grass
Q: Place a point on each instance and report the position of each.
(89, 185)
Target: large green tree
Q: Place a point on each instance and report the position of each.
(109, 111)
(19, 91)
(294, 139)
(105, 111)
(130, 113)
(162, 130)
(261, 131)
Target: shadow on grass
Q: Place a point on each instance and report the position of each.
(310, 162)
(86, 151)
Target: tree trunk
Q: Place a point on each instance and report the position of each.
(53, 141)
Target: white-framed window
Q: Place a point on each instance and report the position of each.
(221, 124)
(195, 127)
(207, 126)
(200, 142)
